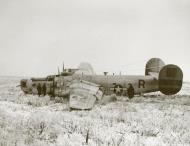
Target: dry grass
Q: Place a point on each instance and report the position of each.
(150, 120)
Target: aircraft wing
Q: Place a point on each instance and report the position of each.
(83, 94)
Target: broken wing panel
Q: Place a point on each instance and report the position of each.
(83, 95)
(82, 102)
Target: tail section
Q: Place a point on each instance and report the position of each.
(154, 65)
(170, 77)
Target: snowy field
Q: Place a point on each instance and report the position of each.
(154, 119)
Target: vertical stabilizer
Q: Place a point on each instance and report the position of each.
(154, 65)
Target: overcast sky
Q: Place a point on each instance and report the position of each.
(36, 36)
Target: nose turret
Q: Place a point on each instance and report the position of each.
(23, 85)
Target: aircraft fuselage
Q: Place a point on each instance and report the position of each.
(110, 84)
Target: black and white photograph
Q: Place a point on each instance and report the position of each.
(94, 73)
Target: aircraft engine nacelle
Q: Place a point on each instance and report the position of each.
(170, 79)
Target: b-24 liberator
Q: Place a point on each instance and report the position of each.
(84, 87)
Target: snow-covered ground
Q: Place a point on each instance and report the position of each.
(154, 119)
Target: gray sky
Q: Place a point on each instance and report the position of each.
(36, 36)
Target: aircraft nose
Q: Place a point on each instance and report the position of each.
(23, 83)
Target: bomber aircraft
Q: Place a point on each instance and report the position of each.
(84, 87)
